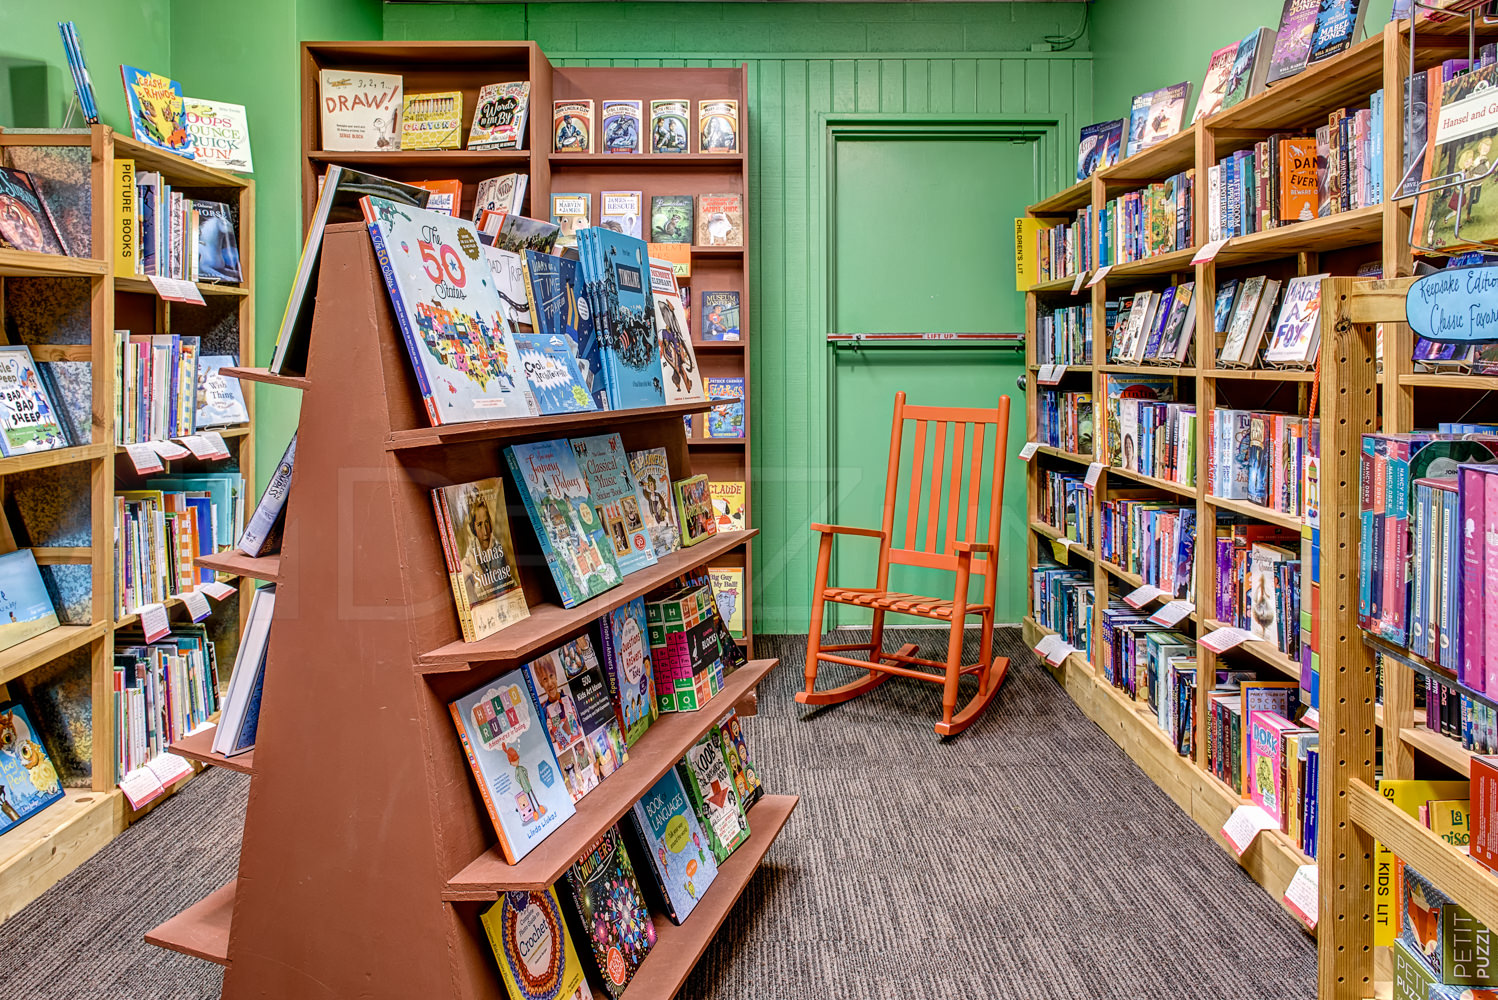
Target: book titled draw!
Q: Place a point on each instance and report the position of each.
(574, 540)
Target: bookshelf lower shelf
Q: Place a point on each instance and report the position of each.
(199, 747)
(201, 930)
(236, 563)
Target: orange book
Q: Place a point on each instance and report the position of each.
(446, 195)
(678, 255)
(1298, 198)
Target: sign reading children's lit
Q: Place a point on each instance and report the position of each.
(1459, 306)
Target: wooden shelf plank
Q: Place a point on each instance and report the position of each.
(1451, 380)
(1347, 78)
(1333, 232)
(1446, 749)
(57, 456)
(561, 424)
(198, 746)
(548, 624)
(434, 158)
(41, 649)
(178, 170)
(37, 853)
(720, 345)
(1070, 456)
(1258, 375)
(1041, 528)
(1171, 156)
(236, 563)
(1169, 486)
(1261, 651)
(1147, 370)
(1066, 201)
(268, 377)
(133, 283)
(677, 949)
(1165, 263)
(1255, 511)
(24, 264)
(201, 930)
(663, 744)
(630, 161)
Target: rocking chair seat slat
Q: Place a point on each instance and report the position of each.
(906, 604)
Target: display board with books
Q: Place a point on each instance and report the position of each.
(583, 802)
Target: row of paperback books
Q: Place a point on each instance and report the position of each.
(1153, 327)
(624, 126)
(162, 233)
(1258, 583)
(163, 690)
(1260, 457)
(707, 220)
(1146, 223)
(1063, 500)
(1064, 335)
(1154, 665)
(1063, 250)
(1061, 600)
(168, 388)
(1148, 432)
(1064, 420)
(1256, 750)
(1451, 711)
(1153, 540)
(161, 527)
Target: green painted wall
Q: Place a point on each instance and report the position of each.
(1131, 55)
(807, 60)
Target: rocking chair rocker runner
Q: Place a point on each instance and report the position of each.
(956, 549)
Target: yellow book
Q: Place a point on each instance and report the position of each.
(1451, 820)
(126, 250)
(1025, 259)
(728, 504)
(1409, 795)
(531, 944)
(432, 121)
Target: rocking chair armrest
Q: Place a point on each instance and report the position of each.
(839, 529)
(968, 548)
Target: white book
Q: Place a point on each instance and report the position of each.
(1241, 323)
(1297, 335)
(360, 110)
(249, 663)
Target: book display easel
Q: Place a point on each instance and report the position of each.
(468, 66)
(96, 301)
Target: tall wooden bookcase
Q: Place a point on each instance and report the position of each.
(466, 67)
(67, 309)
(1353, 394)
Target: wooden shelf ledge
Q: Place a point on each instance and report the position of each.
(198, 746)
(1066, 201)
(1062, 285)
(24, 264)
(201, 930)
(1451, 380)
(142, 285)
(628, 161)
(1259, 375)
(1332, 232)
(1253, 510)
(663, 744)
(1165, 158)
(549, 624)
(1260, 650)
(178, 170)
(1177, 261)
(1347, 78)
(26, 656)
(1168, 485)
(421, 157)
(37, 853)
(560, 424)
(57, 456)
(1070, 456)
(268, 377)
(236, 563)
(1049, 531)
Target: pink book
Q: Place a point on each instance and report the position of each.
(1469, 667)
(1489, 529)
(1266, 761)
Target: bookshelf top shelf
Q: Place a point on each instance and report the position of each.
(624, 161)
(24, 264)
(401, 54)
(1339, 231)
(1160, 161)
(1066, 201)
(561, 423)
(433, 158)
(1345, 78)
(177, 170)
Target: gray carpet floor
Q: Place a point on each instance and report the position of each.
(1027, 858)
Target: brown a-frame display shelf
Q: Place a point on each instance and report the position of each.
(367, 852)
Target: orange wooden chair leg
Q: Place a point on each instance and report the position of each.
(876, 637)
(818, 605)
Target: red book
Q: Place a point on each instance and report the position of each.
(1484, 811)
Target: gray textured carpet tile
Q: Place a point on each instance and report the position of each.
(1026, 858)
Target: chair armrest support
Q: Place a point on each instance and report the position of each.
(838, 529)
(967, 548)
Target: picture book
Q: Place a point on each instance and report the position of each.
(613, 911)
(28, 416)
(1242, 321)
(570, 212)
(680, 376)
(551, 371)
(668, 126)
(507, 747)
(218, 246)
(617, 271)
(474, 525)
(728, 589)
(360, 111)
(1462, 142)
(220, 134)
(504, 193)
(1167, 108)
(679, 256)
(26, 222)
(616, 498)
(1250, 67)
(627, 667)
(671, 218)
(1098, 147)
(508, 271)
(726, 420)
(710, 786)
(262, 531)
(1266, 762)
(432, 120)
(623, 124)
(447, 195)
(220, 399)
(521, 234)
(568, 689)
(561, 511)
(694, 509)
(621, 212)
(1297, 336)
(1292, 43)
(157, 114)
(450, 314)
(552, 288)
(736, 752)
(681, 862)
(25, 606)
(720, 316)
(728, 504)
(1339, 25)
(1215, 83)
(499, 116)
(533, 947)
(572, 126)
(654, 478)
(720, 220)
(83, 84)
(718, 126)
(28, 778)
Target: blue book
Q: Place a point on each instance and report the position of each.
(617, 498)
(561, 510)
(552, 373)
(225, 489)
(627, 668)
(561, 310)
(25, 608)
(631, 353)
(28, 779)
(82, 84)
(681, 859)
(1339, 23)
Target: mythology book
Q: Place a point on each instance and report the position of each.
(575, 543)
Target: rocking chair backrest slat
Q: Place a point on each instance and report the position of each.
(975, 483)
(938, 469)
(917, 458)
(954, 491)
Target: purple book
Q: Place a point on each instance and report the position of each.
(1469, 666)
(1490, 586)
(1292, 46)
(1225, 611)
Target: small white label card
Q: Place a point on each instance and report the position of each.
(1209, 251)
(1028, 451)
(1045, 645)
(1173, 613)
(141, 786)
(216, 440)
(1059, 652)
(144, 458)
(168, 767)
(1223, 639)
(153, 621)
(198, 445)
(197, 605)
(1100, 274)
(1076, 286)
(170, 450)
(218, 590)
(1093, 472)
(175, 290)
(1050, 374)
(1140, 596)
(1303, 895)
(1246, 823)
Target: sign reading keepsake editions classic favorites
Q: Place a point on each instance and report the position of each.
(1459, 306)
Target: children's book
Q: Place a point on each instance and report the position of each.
(83, 84)
(220, 134)
(568, 688)
(449, 312)
(1215, 84)
(694, 509)
(1098, 147)
(360, 111)
(720, 220)
(1297, 337)
(572, 126)
(671, 218)
(627, 667)
(681, 861)
(475, 528)
(715, 799)
(718, 126)
(432, 120)
(505, 739)
(499, 116)
(446, 194)
(220, 399)
(570, 212)
(1292, 43)
(1250, 67)
(613, 911)
(554, 290)
(28, 778)
(1339, 25)
(508, 271)
(726, 420)
(158, 116)
(1241, 324)
(623, 123)
(617, 271)
(28, 416)
(27, 223)
(621, 212)
(654, 479)
(1266, 762)
(616, 498)
(217, 244)
(561, 510)
(736, 752)
(504, 193)
(681, 377)
(720, 316)
(533, 947)
(728, 504)
(552, 373)
(668, 126)
(728, 589)
(25, 606)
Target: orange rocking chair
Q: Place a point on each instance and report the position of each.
(954, 547)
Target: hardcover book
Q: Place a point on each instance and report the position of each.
(28, 778)
(83, 85)
(617, 272)
(681, 863)
(26, 222)
(1215, 84)
(654, 478)
(556, 497)
(446, 195)
(728, 590)
(671, 218)
(668, 126)
(720, 316)
(432, 120)
(533, 948)
(568, 688)
(694, 509)
(220, 400)
(499, 116)
(474, 525)
(508, 271)
(616, 498)
(25, 607)
(220, 134)
(1299, 197)
(572, 126)
(718, 126)
(450, 314)
(621, 212)
(1098, 147)
(1462, 142)
(262, 533)
(1297, 337)
(726, 420)
(710, 786)
(1339, 24)
(217, 244)
(627, 668)
(1292, 43)
(1242, 321)
(28, 416)
(612, 911)
(570, 212)
(728, 504)
(560, 310)
(1266, 762)
(158, 116)
(681, 378)
(1166, 110)
(360, 111)
(720, 220)
(551, 371)
(623, 124)
(504, 193)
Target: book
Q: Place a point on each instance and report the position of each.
(29, 419)
(570, 212)
(694, 509)
(447, 195)
(239, 711)
(572, 126)
(612, 911)
(627, 668)
(679, 256)
(1298, 193)
(28, 778)
(668, 126)
(621, 212)
(1292, 43)
(552, 372)
(1167, 108)
(736, 752)
(617, 499)
(616, 272)
(27, 223)
(1241, 323)
(623, 123)
(1215, 84)
(25, 607)
(1297, 336)
(670, 218)
(1460, 143)
(217, 244)
(718, 126)
(561, 511)
(520, 234)
(504, 193)
(504, 738)
(449, 312)
(726, 420)
(682, 866)
(432, 120)
(83, 84)
(262, 530)
(715, 799)
(1250, 67)
(1097, 148)
(728, 504)
(508, 270)
(359, 110)
(720, 220)
(473, 523)
(651, 473)
(220, 400)
(499, 115)
(1339, 24)
(728, 590)
(158, 116)
(220, 134)
(533, 947)
(680, 376)
(568, 689)
(720, 315)
(1407, 795)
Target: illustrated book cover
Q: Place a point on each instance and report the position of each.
(28, 778)
(612, 911)
(668, 126)
(503, 193)
(654, 479)
(533, 947)
(726, 420)
(217, 244)
(508, 271)
(694, 509)
(616, 269)
(568, 688)
(572, 126)
(560, 309)
(551, 371)
(474, 524)
(360, 111)
(627, 667)
(25, 606)
(718, 126)
(220, 399)
(681, 861)
(158, 115)
(715, 798)
(556, 497)
(432, 120)
(1297, 336)
(1215, 84)
(621, 212)
(616, 498)
(570, 211)
(728, 504)
(720, 316)
(1098, 147)
(720, 220)
(1339, 25)
(220, 134)
(1292, 43)
(28, 416)
(499, 116)
(728, 590)
(623, 125)
(1250, 67)
(26, 222)
(671, 218)
(681, 378)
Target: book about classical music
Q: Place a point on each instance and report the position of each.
(360, 111)
(1250, 67)
(1098, 147)
(625, 645)
(568, 688)
(668, 126)
(1292, 43)
(1215, 84)
(616, 269)
(718, 126)
(710, 786)
(432, 120)
(1297, 336)
(220, 134)
(682, 865)
(157, 113)
(220, 399)
(572, 126)
(623, 125)
(474, 525)
(262, 531)
(576, 546)
(504, 738)
(504, 193)
(449, 312)
(1339, 25)
(28, 778)
(499, 116)
(681, 378)
(720, 220)
(654, 478)
(614, 915)
(551, 371)
(533, 947)
(616, 498)
(27, 223)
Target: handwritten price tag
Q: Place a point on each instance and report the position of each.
(170, 450)
(1140, 596)
(198, 445)
(1173, 613)
(1093, 472)
(1303, 895)
(144, 458)
(154, 622)
(1209, 251)
(1223, 639)
(174, 290)
(1028, 451)
(1246, 823)
(1102, 273)
(1076, 286)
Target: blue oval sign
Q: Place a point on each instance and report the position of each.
(1455, 306)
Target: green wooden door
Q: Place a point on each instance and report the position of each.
(922, 241)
